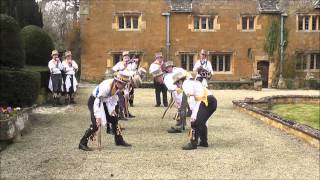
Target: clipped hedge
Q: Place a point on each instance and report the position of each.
(38, 45)
(44, 74)
(11, 45)
(19, 88)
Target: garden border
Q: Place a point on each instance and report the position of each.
(257, 109)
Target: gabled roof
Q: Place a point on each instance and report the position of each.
(181, 6)
(269, 6)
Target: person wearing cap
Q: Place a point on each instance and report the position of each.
(70, 67)
(55, 82)
(203, 68)
(154, 69)
(202, 103)
(102, 106)
(179, 98)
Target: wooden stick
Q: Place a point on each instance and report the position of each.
(99, 138)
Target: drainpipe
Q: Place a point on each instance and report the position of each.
(281, 83)
(167, 14)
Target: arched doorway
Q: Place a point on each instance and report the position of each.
(263, 66)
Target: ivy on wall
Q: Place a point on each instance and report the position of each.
(272, 46)
(272, 38)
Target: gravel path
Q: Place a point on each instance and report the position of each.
(240, 147)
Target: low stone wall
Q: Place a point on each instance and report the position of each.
(215, 84)
(260, 110)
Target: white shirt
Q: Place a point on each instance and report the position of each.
(70, 69)
(121, 66)
(193, 88)
(103, 93)
(55, 67)
(205, 64)
(154, 67)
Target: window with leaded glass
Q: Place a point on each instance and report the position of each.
(128, 22)
(308, 22)
(187, 61)
(248, 22)
(221, 62)
(203, 23)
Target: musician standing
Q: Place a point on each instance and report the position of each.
(123, 65)
(158, 85)
(70, 67)
(203, 68)
(55, 81)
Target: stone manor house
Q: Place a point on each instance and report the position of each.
(234, 32)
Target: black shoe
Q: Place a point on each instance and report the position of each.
(120, 142)
(109, 130)
(157, 105)
(66, 102)
(123, 119)
(131, 116)
(125, 144)
(203, 144)
(131, 105)
(189, 146)
(174, 130)
(84, 147)
(165, 105)
(72, 101)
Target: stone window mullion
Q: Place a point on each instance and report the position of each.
(310, 23)
(308, 61)
(224, 63)
(317, 22)
(207, 23)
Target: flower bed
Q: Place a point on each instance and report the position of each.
(13, 121)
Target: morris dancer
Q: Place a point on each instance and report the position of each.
(179, 97)
(123, 65)
(159, 86)
(102, 104)
(55, 81)
(70, 67)
(202, 104)
(203, 69)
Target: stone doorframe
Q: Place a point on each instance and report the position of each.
(272, 67)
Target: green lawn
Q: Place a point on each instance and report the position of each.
(308, 114)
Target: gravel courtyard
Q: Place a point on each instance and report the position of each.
(240, 147)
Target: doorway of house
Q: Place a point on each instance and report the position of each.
(263, 66)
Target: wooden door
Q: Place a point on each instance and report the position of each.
(263, 66)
